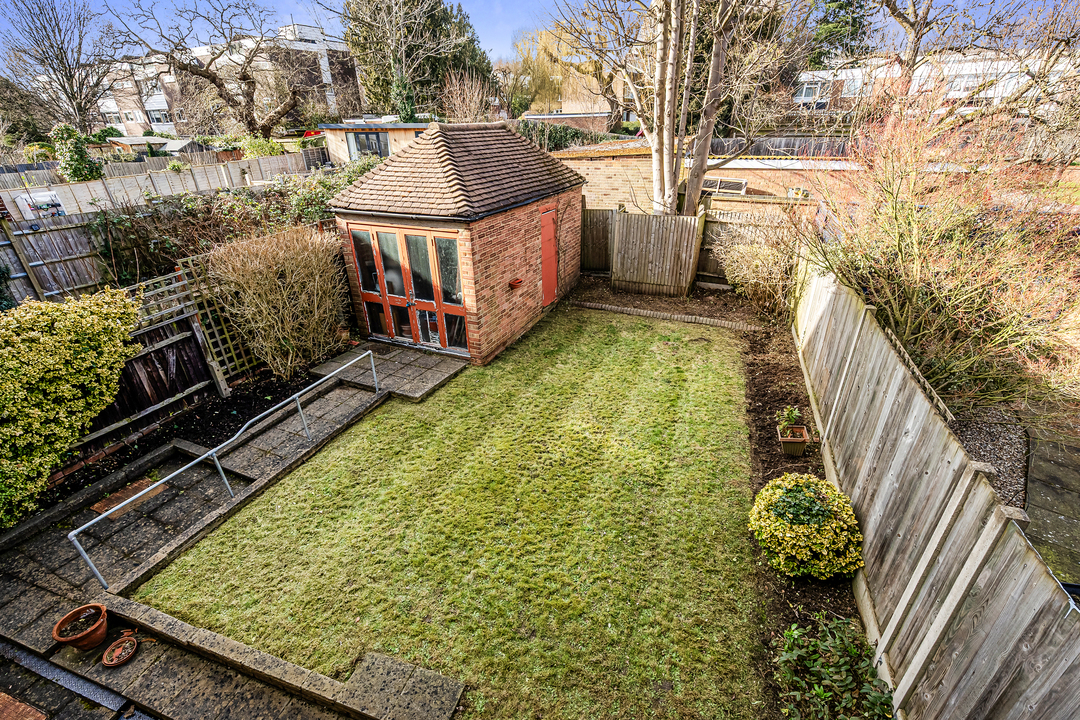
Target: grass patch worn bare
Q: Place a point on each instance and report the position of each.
(564, 530)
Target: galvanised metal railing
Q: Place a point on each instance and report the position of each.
(213, 455)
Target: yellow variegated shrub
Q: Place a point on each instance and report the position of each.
(807, 527)
(60, 364)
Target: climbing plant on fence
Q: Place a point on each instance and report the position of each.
(60, 365)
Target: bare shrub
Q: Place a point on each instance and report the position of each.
(757, 252)
(286, 293)
(953, 238)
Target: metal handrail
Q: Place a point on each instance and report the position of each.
(213, 455)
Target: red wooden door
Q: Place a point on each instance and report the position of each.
(549, 255)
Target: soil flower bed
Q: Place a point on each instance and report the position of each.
(564, 530)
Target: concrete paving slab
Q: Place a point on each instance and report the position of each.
(427, 696)
(376, 684)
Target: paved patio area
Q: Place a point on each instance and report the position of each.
(1053, 504)
(406, 372)
(42, 578)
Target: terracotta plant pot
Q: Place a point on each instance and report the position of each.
(795, 444)
(121, 651)
(89, 638)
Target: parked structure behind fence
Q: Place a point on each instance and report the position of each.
(967, 618)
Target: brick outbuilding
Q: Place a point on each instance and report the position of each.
(459, 242)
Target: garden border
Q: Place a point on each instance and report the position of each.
(696, 319)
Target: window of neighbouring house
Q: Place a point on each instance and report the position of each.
(808, 92)
(112, 118)
(159, 116)
(963, 83)
(367, 143)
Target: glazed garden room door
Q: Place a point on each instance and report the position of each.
(411, 285)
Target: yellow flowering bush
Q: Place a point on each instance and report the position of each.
(60, 366)
(807, 527)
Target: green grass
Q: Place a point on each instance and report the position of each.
(564, 530)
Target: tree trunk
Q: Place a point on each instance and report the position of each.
(695, 179)
(671, 94)
(660, 82)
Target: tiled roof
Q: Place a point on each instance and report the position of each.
(459, 171)
(612, 148)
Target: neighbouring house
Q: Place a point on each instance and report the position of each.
(460, 241)
(144, 93)
(348, 141)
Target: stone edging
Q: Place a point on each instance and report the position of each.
(211, 521)
(262, 666)
(85, 497)
(696, 319)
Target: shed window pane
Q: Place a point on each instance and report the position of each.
(391, 263)
(446, 250)
(365, 261)
(420, 267)
(376, 318)
(455, 332)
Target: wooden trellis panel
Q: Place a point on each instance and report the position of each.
(223, 339)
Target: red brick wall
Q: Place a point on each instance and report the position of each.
(506, 246)
(354, 280)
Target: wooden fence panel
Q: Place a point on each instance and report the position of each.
(596, 240)
(968, 619)
(59, 256)
(170, 373)
(655, 254)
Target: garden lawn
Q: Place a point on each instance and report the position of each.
(564, 530)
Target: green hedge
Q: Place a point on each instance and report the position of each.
(60, 366)
(559, 137)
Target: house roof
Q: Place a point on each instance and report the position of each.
(130, 140)
(375, 126)
(613, 148)
(462, 171)
(179, 145)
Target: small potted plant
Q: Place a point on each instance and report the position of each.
(793, 438)
(83, 628)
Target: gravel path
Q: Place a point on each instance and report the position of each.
(992, 437)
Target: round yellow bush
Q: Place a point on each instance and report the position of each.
(807, 527)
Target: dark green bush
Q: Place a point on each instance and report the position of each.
(829, 674)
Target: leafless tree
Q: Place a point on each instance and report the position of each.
(60, 50)
(1019, 62)
(653, 48)
(466, 98)
(230, 45)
